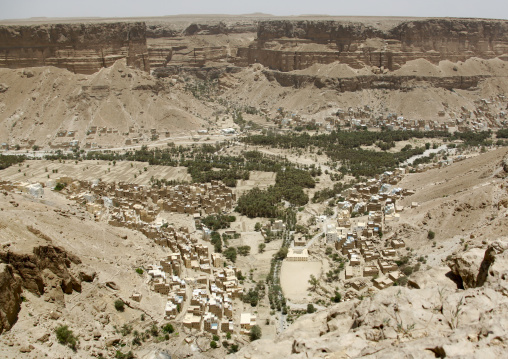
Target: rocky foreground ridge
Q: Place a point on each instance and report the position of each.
(437, 320)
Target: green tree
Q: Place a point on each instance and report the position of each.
(255, 333)
(313, 281)
(337, 297)
(261, 247)
(119, 305)
(243, 250)
(230, 254)
(168, 328)
(282, 253)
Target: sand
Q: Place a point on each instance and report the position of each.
(294, 279)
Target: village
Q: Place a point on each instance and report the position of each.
(202, 288)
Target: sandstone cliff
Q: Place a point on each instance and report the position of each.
(291, 45)
(80, 48)
(358, 83)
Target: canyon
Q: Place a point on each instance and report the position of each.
(126, 145)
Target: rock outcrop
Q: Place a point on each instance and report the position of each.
(45, 272)
(478, 267)
(30, 267)
(10, 297)
(433, 321)
(80, 48)
(363, 82)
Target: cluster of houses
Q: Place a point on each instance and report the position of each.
(136, 207)
(487, 114)
(361, 216)
(200, 290)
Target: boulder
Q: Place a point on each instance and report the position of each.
(478, 266)
(432, 277)
(87, 274)
(467, 266)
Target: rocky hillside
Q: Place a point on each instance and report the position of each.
(46, 106)
(60, 267)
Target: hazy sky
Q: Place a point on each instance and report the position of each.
(19, 9)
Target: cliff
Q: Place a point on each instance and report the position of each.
(80, 48)
(288, 45)
(10, 297)
(364, 82)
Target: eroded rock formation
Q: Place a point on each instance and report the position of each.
(80, 48)
(46, 271)
(288, 45)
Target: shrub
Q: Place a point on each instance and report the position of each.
(59, 186)
(139, 271)
(402, 281)
(126, 330)
(168, 328)
(408, 270)
(310, 308)
(213, 344)
(243, 250)
(120, 355)
(230, 254)
(154, 330)
(337, 297)
(261, 247)
(228, 335)
(215, 337)
(119, 305)
(233, 349)
(255, 333)
(65, 336)
(431, 235)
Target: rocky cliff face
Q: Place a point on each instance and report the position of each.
(287, 45)
(10, 297)
(358, 83)
(80, 48)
